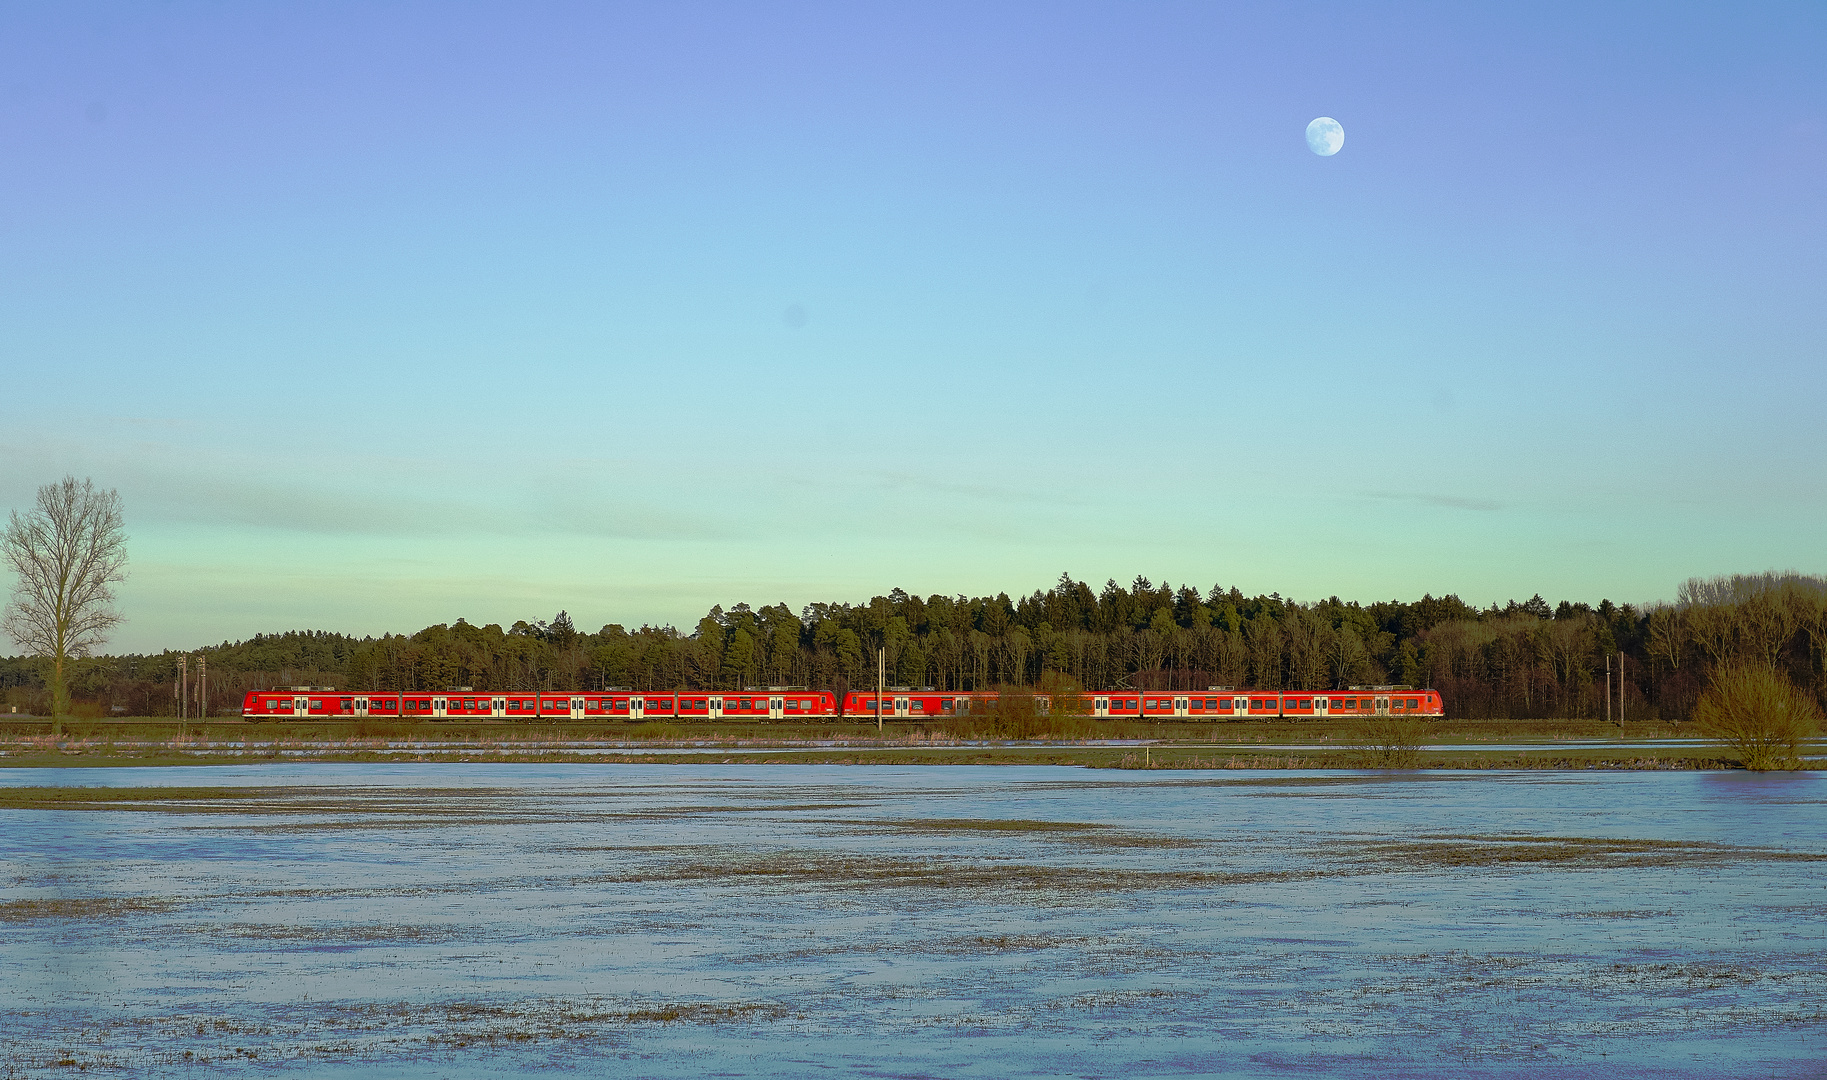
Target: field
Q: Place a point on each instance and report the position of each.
(1469, 744)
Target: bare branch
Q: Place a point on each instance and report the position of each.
(68, 553)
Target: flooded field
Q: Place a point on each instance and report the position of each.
(448, 920)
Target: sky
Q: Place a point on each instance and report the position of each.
(382, 315)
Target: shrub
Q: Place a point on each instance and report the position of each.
(1760, 714)
(1391, 742)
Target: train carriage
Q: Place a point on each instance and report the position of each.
(1216, 704)
(328, 703)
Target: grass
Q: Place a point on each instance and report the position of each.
(1081, 833)
(1031, 882)
(1308, 745)
(125, 798)
(1456, 850)
(1233, 732)
(84, 907)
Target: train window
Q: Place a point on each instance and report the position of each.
(1211, 703)
(1255, 703)
(805, 703)
(919, 706)
(317, 703)
(665, 706)
(1414, 703)
(621, 705)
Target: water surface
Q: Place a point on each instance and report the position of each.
(684, 920)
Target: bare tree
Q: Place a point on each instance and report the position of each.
(68, 552)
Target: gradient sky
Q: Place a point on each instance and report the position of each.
(379, 315)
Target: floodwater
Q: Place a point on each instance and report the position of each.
(450, 920)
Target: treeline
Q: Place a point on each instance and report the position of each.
(1516, 660)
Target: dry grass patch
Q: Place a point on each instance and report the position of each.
(469, 1024)
(192, 799)
(1584, 852)
(283, 936)
(1084, 833)
(818, 869)
(81, 907)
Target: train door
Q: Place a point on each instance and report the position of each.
(716, 708)
(637, 708)
(301, 708)
(1180, 706)
(777, 708)
(1382, 706)
(1319, 708)
(361, 707)
(1100, 707)
(497, 707)
(438, 706)
(577, 708)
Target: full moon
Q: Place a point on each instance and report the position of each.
(1325, 136)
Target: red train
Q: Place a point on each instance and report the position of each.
(1215, 703)
(324, 702)
(900, 703)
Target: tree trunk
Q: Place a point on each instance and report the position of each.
(60, 696)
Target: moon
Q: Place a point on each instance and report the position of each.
(1324, 136)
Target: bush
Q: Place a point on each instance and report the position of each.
(1760, 714)
(1391, 742)
(1015, 713)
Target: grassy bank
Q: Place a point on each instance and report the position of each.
(1241, 733)
(1456, 744)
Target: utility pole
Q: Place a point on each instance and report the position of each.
(183, 688)
(881, 684)
(1608, 689)
(1620, 690)
(202, 687)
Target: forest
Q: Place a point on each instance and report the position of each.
(1518, 660)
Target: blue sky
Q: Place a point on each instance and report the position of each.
(380, 315)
